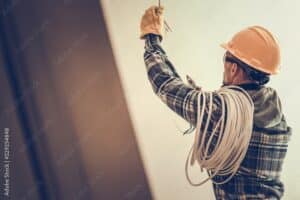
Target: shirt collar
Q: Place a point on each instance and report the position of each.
(248, 86)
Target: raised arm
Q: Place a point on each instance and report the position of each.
(166, 83)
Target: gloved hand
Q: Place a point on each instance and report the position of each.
(152, 22)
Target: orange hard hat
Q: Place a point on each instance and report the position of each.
(256, 47)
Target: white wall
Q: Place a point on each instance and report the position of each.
(199, 27)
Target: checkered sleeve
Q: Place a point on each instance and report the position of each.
(180, 97)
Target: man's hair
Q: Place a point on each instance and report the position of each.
(260, 77)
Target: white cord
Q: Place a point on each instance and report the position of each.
(233, 137)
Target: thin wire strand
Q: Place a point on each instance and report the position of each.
(167, 27)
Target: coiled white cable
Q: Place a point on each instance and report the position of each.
(233, 136)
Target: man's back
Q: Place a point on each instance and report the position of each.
(259, 174)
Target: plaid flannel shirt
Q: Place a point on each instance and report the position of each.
(259, 173)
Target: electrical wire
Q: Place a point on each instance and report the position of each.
(167, 27)
(233, 129)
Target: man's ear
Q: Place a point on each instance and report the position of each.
(234, 69)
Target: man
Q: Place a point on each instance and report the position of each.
(250, 58)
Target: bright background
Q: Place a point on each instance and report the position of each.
(199, 27)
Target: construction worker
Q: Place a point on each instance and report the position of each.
(251, 57)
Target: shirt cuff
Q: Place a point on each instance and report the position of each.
(153, 43)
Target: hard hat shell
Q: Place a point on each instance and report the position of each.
(256, 47)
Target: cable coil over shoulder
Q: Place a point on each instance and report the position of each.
(233, 137)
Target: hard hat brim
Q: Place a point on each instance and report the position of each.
(224, 45)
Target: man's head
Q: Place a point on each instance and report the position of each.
(252, 55)
(237, 72)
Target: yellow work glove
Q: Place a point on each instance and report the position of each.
(152, 22)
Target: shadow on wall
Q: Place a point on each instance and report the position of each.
(63, 111)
